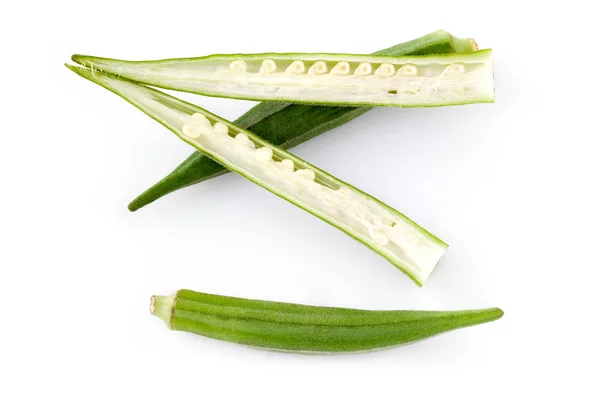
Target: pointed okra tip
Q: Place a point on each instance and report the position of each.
(78, 69)
(487, 315)
(495, 313)
(163, 307)
(79, 59)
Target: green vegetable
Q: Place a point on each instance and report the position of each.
(288, 125)
(328, 79)
(388, 232)
(308, 329)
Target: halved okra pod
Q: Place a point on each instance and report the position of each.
(306, 329)
(334, 79)
(388, 232)
(287, 125)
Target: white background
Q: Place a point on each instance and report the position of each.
(512, 186)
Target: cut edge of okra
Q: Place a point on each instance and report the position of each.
(388, 232)
(319, 78)
(296, 328)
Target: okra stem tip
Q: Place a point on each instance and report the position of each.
(162, 307)
(464, 45)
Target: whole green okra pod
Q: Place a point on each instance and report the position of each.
(306, 329)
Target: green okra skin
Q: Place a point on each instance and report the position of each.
(287, 125)
(388, 232)
(306, 329)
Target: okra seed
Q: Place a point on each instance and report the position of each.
(192, 131)
(243, 139)
(238, 65)
(264, 154)
(455, 68)
(318, 68)
(459, 90)
(200, 119)
(385, 69)
(341, 68)
(387, 221)
(287, 164)
(410, 92)
(296, 67)
(306, 174)
(221, 128)
(379, 237)
(268, 66)
(408, 70)
(363, 69)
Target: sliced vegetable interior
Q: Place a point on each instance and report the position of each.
(387, 231)
(287, 125)
(336, 79)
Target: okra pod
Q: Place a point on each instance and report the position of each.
(306, 329)
(287, 125)
(327, 79)
(411, 248)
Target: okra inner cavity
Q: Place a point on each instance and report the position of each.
(316, 190)
(320, 78)
(387, 231)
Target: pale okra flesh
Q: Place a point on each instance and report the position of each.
(334, 79)
(306, 329)
(388, 232)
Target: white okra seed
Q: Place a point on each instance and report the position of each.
(387, 221)
(379, 237)
(268, 66)
(287, 164)
(191, 131)
(200, 119)
(341, 68)
(296, 67)
(407, 70)
(244, 139)
(264, 154)
(455, 68)
(363, 69)
(238, 65)
(306, 174)
(318, 68)
(221, 128)
(385, 69)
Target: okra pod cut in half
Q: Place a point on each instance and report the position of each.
(331, 79)
(287, 125)
(388, 232)
(306, 329)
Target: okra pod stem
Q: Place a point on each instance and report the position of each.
(306, 329)
(287, 125)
